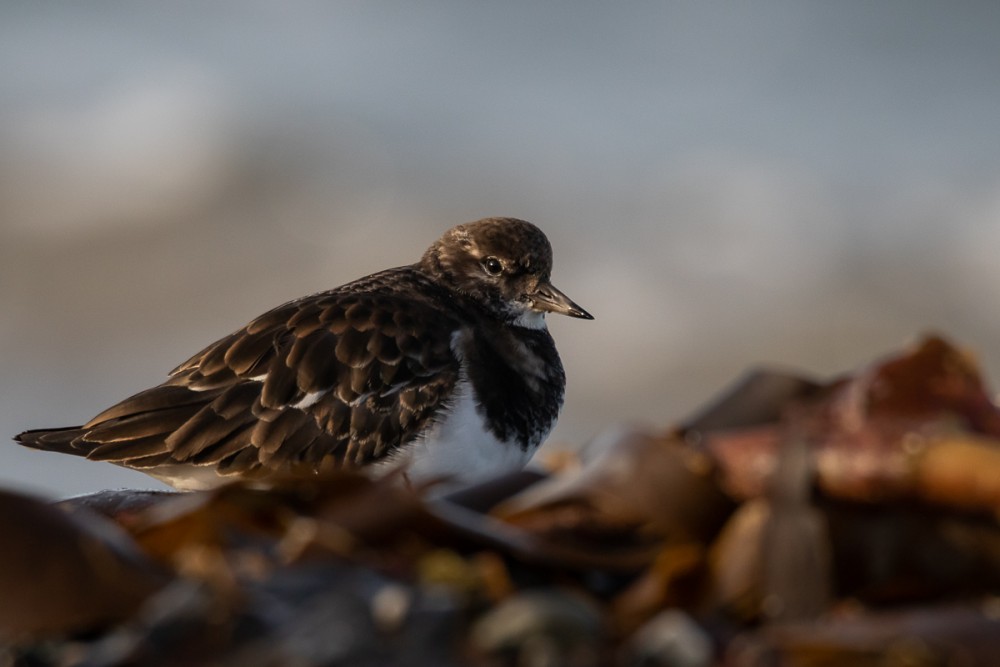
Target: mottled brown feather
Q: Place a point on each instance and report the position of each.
(367, 382)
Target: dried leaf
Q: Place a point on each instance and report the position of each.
(675, 579)
(907, 553)
(960, 472)
(967, 636)
(640, 491)
(63, 572)
(870, 432)
(774, 558)
(760, 397)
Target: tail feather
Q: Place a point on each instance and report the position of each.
(126, 451)
(52, 439)
(161, 397)
(134, 429)
(117, 440)
(140, 425)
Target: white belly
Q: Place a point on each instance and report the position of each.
(458, 450)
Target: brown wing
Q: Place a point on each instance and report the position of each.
(337, 377)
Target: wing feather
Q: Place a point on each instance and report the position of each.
(141, 424)
(127, 450)
(150, 400)
(248, 351)
(341, 376)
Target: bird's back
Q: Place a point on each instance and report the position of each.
(338, 378)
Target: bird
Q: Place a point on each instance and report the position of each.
(443, 369)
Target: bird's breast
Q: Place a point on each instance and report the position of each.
(517, 381)
(459, 447)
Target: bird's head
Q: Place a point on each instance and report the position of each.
(504, 265)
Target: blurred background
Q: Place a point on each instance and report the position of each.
(801, 183)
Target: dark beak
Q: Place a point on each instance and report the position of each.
(550, 300)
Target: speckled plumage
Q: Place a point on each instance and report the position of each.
(357, 374)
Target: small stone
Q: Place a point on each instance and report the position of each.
(390, 607)
(670, 639)
(541, 628)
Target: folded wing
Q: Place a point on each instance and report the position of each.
(335, 379)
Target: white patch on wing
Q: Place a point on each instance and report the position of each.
(361, 399)
(395, 389)
(309, 399)
(205, 384)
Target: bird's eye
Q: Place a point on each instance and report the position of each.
(493, 266)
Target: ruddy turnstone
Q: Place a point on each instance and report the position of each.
(445, 367)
